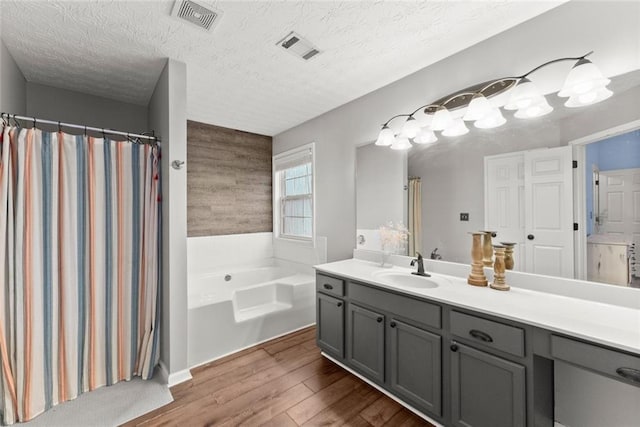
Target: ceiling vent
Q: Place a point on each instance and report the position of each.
(201, 16)
(298, 46)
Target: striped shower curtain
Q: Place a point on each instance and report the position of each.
(79, 266)
(415, 216)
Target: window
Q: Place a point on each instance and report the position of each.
(293, 182)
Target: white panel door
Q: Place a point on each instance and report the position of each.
(549, 211)
(504, 201)
(620, 205)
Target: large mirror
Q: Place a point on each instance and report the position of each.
(439, 189)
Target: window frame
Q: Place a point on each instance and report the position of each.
(278, 191)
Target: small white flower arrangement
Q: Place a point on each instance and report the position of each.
(393, 237)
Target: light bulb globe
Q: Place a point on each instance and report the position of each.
(442, 119)
(496, 119)
(457, 129)
(478, 108)
(584, 77)
(539, 107)
(385, 137)
(589, 98)
(411, 127)
(524, 95)
(401, 144)
(426, 136)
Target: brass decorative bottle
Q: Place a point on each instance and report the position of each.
(487, 248)
(477, 277)
(499, 282)
(508, 254)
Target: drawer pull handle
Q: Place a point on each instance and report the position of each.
(629, 373)
(379, 319)
(328, 286)
(482, 336)
(339, 304)
(393, 324)
(454, 346)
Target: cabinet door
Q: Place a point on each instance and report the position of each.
(486, 391)
(330, 323)
(366, 341)
(415, 365)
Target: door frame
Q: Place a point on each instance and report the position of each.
(580, 190)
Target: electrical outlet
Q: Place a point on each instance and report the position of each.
(464, 216)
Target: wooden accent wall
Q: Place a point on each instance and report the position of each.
(228, 181)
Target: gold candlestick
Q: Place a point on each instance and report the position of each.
(499, 282)
(487, 248)
(477, 277)
(508, 254)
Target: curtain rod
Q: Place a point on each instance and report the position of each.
(103, 131)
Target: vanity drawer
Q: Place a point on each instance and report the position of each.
(407, 307)
(488, 333)
(609, 362)
(329, 285)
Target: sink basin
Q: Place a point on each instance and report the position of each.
(407, 280)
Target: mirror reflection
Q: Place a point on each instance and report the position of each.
(518, 181)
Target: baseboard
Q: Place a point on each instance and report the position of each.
(175, 378)
(382, 390)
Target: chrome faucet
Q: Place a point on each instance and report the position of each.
(435, 254)
(420, 271)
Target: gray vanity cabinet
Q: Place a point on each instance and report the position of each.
(457, 366)
(415, 365)
(486, 390)
(366, 348)
(330, 321)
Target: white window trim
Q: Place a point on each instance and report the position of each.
(306, 241)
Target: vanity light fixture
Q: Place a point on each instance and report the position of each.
(584, 85)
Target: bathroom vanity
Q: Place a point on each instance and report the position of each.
(463, 355)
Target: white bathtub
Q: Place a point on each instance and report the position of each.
(254, 305)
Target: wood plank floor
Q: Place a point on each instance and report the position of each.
(283, 382)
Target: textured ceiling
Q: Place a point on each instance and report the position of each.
(237, 76)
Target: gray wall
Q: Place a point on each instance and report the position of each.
(566, 30)
(611, 29)
(167, 114)
(50, 103)
(13, 97)
(381, 176)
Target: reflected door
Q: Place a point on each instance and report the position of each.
(504, 202)
(549, 211)
(620, 205)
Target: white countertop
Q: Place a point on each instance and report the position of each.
(606, 324)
